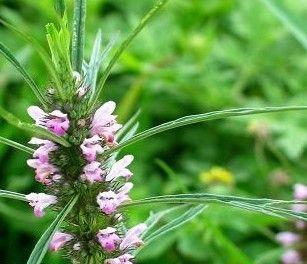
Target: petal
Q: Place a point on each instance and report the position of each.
(36, 113)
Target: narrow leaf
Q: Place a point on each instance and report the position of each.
(16, 145)
(78, 34)
(266, 206)
(176, 223)
(38, 48)
(10, 57)
(12, 195)
(59, 6)
(144, 21)
(42, 245)
(295, 24)
(13, 120)
(192, 119)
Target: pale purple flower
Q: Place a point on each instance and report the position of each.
(104, 123)
(44, 172)
(108, 239)
(124, 259)
(40, 201)
(91, 147)
(59, 240)
(301, 224)
(119, 169)
(300, 191)
(299, 208)
(56, 121)
(291, 257)
(287, 238)
(93, 172)
(45, 147)
(132, 238)
(109, 201)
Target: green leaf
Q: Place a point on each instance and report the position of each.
(127, 127)
(36, 130)
(16, 145)
(10, 57)
(266, 206)
(39, 49)
(78, 34)
(192, 119)
(144, 21)
(176, 223)
(295, 24)
(12, 195)
(59, 6)
(42, 245)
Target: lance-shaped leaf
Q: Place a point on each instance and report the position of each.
(42, 245)
(295, 24)
(12, 195)
(11, 58)
(36, 130)
(78, 35)
(175, 223)
(192, 119)
(16, 145)
(39, 49)
(59, 6)
(266, 206)
(144, 21)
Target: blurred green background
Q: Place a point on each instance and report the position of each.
(195, 56)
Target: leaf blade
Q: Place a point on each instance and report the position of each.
(42, 245)
(144, 21)
(16, 145)
(12, 195)
(192, 119)
(11, 58)
(78, 34)
(13, 120)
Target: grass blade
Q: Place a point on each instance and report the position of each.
(192, 119)
(42, 245)
(10, 57)
(12, 195)
(296, 26)
(36, 130)
(78, 34)
(16, 145)
(144, 21)
(59, 6)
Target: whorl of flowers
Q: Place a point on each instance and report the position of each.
(94, 227)
(295, 241)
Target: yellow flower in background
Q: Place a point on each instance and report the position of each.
(217, 175)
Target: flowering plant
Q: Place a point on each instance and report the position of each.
(77, 153)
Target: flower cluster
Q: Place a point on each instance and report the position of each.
(106, 185)
(292, 240)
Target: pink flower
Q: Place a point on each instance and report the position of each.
(40, 201)
(44, 172)
(119, 169)
(124, 259)
(299, 208)
(132, 238)
(104, 123)
(59, 240)
(291, 257)
(108, 239)
(287, 238)
(56, 121)
(300, 191)
(109, 201)
(45, 147)
(93, 172)
(91, 147)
